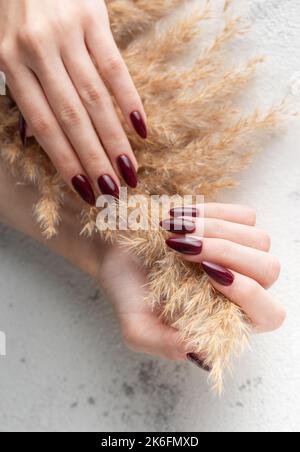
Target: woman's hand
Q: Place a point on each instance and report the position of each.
(49, 51)
(232, 251)
(124, 281)
(234, 254)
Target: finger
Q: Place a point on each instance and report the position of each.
(41, 121)
(228, 212)
(146, 334)
(76, 124)
(263, 309)
(238, 233)
(256, 264)
(114, 71)
(99, 105)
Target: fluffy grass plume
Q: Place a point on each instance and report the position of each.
(198, 140)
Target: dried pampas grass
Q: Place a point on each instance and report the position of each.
(198, 140)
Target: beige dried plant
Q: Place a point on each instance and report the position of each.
(198, 139)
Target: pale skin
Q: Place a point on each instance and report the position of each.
(231, 239)
(64, 96)
(61, 64)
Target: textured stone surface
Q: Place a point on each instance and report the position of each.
(66, 367)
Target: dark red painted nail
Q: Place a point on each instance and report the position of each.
(185, 212)
(84, 189)
(23, 130)
(139, 124)
(178, 225)
(195, 359)
(218, 273)
(128, 171)
(186, 245)
(108, 186)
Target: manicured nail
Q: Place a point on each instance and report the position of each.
(128, 171)
(218, 273)
(179, 226)
(139, 124)
(108, 186)
(84, 189)
(195, 359)
(185, 212)
(185, 245)
(23, 130)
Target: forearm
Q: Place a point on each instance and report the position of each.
(16, 210)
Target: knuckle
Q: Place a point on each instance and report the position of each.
(130, 338)
(251, 290)
(91, 94)
(274, 269)
(250, 215)
(264, 241)
(278, 318)
(63, 24)
(218, 228)
(223, 248)
(129, 91)
(113, 65)
(6, 52)
(32, 38)
(40, 125)
(69, 116)
(90, 15)
(65, 165)
(114, 139)
(93, 159)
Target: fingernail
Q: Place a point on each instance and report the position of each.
(108, 186)
(195, 359)
(84, 189)
(139, 124)
(23, 130)
(218, 273)
(179, 226)
(128, 171)
(186, 245)
(185, 212)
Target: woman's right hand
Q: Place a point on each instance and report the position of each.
(49, 51)
(234, 253)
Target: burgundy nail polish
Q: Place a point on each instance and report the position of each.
(195, 359)
(178, 225)
(185, 212)
(128, 171)
(108, 186)
(139, 124)
(84, 189)
(185, 245)
(218, 273)
(23, 130)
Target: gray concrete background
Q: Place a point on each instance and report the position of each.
(66, 368)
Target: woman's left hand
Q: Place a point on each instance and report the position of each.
(234, 254)
(62, 65)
